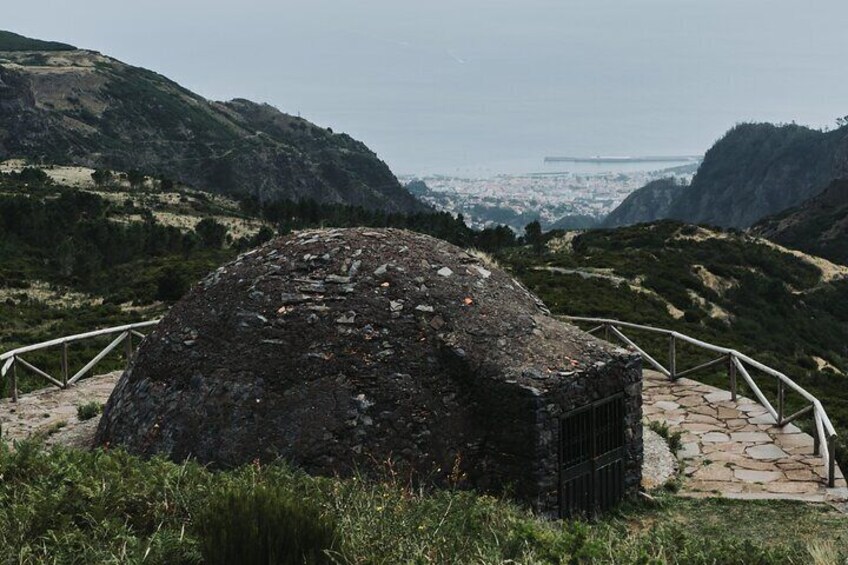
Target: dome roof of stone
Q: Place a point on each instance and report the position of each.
(331, 348)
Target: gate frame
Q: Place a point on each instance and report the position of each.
(595, 461)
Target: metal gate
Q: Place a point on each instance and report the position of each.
(591, 458)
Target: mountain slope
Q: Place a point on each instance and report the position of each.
(651, 202)
(757, 170)
(80, 107)
(13, 42)
(818, 226)
(753, 171)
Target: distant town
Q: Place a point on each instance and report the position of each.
(558, 200)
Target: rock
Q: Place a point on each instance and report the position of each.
(768, 451)
(444, 272)
(750, 476)
(347, 318)
(288, 298)
(485, 273)
(659, 464)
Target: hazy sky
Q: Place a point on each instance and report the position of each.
(435, 85)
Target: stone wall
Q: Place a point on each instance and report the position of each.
(601, 381)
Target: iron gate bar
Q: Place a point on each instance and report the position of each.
(592, 452)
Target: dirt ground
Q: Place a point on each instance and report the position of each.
(52, 413)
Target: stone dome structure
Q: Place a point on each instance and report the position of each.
(343, 349)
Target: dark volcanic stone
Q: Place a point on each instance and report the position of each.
(343, 349)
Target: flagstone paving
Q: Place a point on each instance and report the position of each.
(736, 449)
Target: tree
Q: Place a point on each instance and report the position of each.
(212, 233)
(102, 177)
(533, 236)
(33, 175)
(136, 178)
(172, 285)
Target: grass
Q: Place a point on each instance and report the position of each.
(89, 410)
(671, 437)
(104, 506)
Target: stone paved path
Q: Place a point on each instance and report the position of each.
(735, 449)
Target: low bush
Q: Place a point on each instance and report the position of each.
(265, 524)
(672, 438)
(89, 410)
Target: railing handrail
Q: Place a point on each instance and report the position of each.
(11, 359)
(76, 337)
(825, 432)
(715, 348)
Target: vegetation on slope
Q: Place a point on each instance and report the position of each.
(13, 42)
(69, 506)
(651, 202)
(819, 226)
(755, 170)
(722, 287)
(87, 109)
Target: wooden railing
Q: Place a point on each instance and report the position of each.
(10, 360)
(737, 366)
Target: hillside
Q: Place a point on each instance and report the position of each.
(785, 308)
(753, 171)
(729, 288)
(13, 42)
(818, 226)
(78, 107)
(76, 254)
(651, 202)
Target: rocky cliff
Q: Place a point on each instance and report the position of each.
(754, 171)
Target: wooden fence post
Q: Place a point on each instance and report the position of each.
(129, 344)
(780, 401)
(732, 371)
(65, 367)
(672, 357)
(831, 464)
(14, 379)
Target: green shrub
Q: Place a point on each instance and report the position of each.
(173, 283)
(673, 439)
(89, 410)
(265, 525)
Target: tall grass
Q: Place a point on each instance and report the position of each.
(67, 506)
